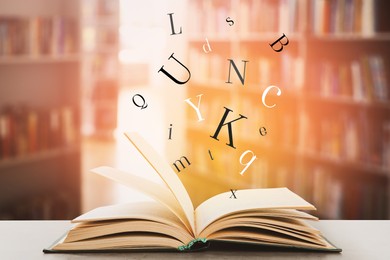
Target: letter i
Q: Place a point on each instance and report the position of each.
(170, 132)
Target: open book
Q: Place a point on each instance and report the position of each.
(255, 217)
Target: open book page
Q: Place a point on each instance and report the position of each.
(167, 174)
(282, 222)
(271, 238)
(93, 230)
(262, 227)
(157, 192)
(281, 213)
(148, 210)
(142, 241)
(224, 204)
(149, 216)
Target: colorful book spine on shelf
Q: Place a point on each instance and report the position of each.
(37, 36)
(343, 16)
(5, 135)
(377, 68)
(386, 145)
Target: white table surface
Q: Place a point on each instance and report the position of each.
(359, 240)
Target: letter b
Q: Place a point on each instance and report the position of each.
(281, 43)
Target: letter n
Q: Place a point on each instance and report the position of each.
(229, 125)
(242, 78)
(173, 78)
(182, 164)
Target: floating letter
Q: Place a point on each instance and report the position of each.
(262, 131)
(233, 194)
(229, 125)
(211, 155)
(248, 163)
(182, 165)
(170, 132)
(172, 27)
(170, 76)
(266, 92)
(188, 100)
(229, 21)
(281, 44)
(242, 79)
(144, 104)
(206, 45)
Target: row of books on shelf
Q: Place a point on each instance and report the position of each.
(335, 195)
(59, 205)
(362, 79)
(281, 128)
(342, 137)
(339, 197)
(344, 16)
(38, 35)
(287, 71)
(100, 39)
(345, 137)
(25, 130)
(251, 16)
(269, 16)
(92, 8)
(260, 71)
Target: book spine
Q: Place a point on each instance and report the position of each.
(194, 243)
(368, 17)
(357, 82)
(386, 145)
(32, 131)
(5, 135)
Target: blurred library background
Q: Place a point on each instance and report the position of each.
(70, 71)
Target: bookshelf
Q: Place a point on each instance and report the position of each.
(328, 137)
(39, 109)
(100, 78)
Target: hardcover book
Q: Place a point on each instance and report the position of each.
(253, 218)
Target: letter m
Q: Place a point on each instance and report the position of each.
(182, 164)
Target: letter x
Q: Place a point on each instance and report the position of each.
(233, 194)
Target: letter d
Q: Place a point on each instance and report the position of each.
(206, 46)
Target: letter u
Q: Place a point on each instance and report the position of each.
(173, 78)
